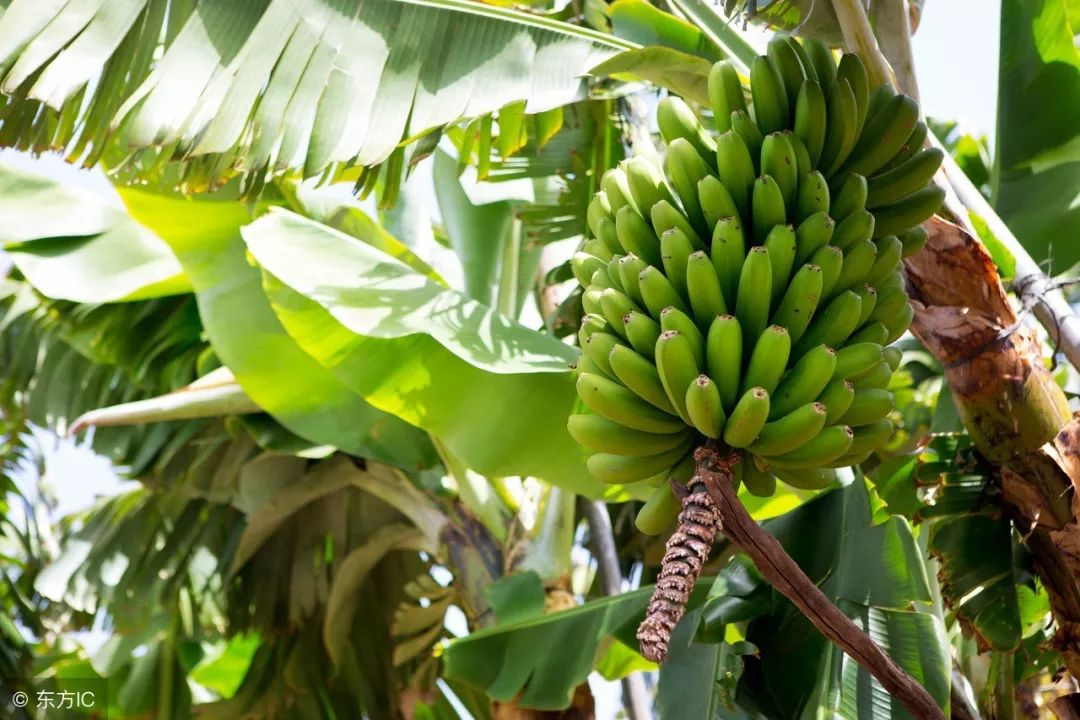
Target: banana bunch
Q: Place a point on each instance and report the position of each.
(747, 290)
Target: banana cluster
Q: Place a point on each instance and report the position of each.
(747, 290)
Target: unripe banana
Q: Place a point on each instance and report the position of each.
(884, 135)
(610, 399)
(903, 180)
(768, 207)
(677, 364)
(599, 208)
(636, 236)
(869, 437)
(890, 250)
(876, 377)
(893, 356)
(826, 446)
(673, 319)
(831, 261)
(821, 57)
(590, 301)
(728, 256)
(842, 130)
(612, 269)
(851, 69)
(586, 365)
(584, 265)
(754, 295)
(725, 94)
(642, 332)
(591, 324)
(893, 282)
(812, 196)
(807, 478)
(912, 145)
(899, 323)
(666, 216)
(856, 227)
(659, 511)
(608, 239)
(855, 359)
(771, 110)
(675, 249)
(781, 245)
(768, 360)
(686, 168)
(630, 267)
(811, 120)
(879, 98)
(602, 435)
(615, 305)
(833, 325)
(869, 405)
(751, 135)
(850, 197)
(617, 189)
(788, 64)
(858, 259)
(912, 210)
(837, 397)
(724, 357)
(758, 482)
(890, 302)
(658, 292)
(597, 346)
(596, 247)
(601, 280)
(812, 234)
(802, 156)
(868, 295)
(874, 332)
(791, 431)
(704, 407)
(778, 161)
(703, 287)
(639, 374)
(747, 418)
(804, 382)
(647, 184)
(913, 239)
(621, 469)
(676, 120)
(800, 300)
(735, 170)
(808, 66)
(716, 201)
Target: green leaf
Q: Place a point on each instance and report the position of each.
(424, 353)
(645, 24)
(1038, 157)
(516, 597)
(222, 671)
(682, 74)
(72, 244)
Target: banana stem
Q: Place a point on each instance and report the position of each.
(859, 39)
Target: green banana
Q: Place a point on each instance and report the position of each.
(850, 197)
(807, 478)
(808, 66)
(666, 216)
(834, 324)
(912, 210)
(778, 161)
(768, 207)
(678, 367)
(597, 346)
(879, 98)
(602, 435)
(584, 265)
(811, 120)
(675, 249)
(876, 377)
(591, 324)
(911, 146)
(813, 233)
(869, 405)
(724, 357)
(889, 252)
(673, 319)
(728, 256)
(768, 359)
(771, 109)
(601, 280)
(790, 431)
(837, 397)
(630, 267)
(856, 227)
(615, 305)
(590, 301)
(586, 365)
(636, 236)
(751, 135)
(747, 418)
(716, 201)
(676, 120)
(826, 446)
(659, 511)
(903, 180)
(735, 170)
(704, 407)
(841, 131)
(610, 399)
(754, 294)
(617, 189)
(597, 247)
(874, 332)
(609, 238)
(599, 208)
(858, 259)
(812, 196)
(612, 269)
(647, 184)
(890, 302)
(758, 482)
(703, 288)
(884, 135)
(851, 69)
(802, 155)
(854, 359)
(658, 292)
(893, 356)
(867, 439)
(685, 168)
(868, 295)
(831, 261)
(893, 282)
(639, 374)
(804, 382)
(788, 65)
(913, 239)
(800, 300)
(725, 94)
(642, 332)
(899, 323)
(621, 469)
(781, 244)
(821, 57)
